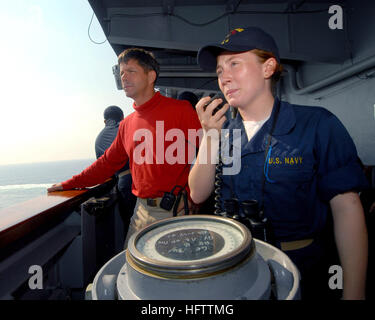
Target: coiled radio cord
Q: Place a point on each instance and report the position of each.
(218, 181)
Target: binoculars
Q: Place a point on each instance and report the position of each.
(249, 213)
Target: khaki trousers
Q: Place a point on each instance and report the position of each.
(145, 215)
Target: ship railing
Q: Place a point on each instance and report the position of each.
(52, 246)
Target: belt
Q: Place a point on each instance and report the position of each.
(294, 245)
(123, 173)
(153, 202)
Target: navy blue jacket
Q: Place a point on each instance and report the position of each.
(105, 138)
(311, 159)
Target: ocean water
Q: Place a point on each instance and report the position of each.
(22, 182)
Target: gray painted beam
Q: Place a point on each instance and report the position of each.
(14, 269)
(300, 35)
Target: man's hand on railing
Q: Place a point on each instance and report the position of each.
(55, 187)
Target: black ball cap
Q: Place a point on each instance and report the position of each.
(238, 40)
(113, 113)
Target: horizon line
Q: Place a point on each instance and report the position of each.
(51, 161)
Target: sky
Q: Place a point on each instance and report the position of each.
(55, 82)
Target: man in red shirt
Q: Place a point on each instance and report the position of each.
(159, 139)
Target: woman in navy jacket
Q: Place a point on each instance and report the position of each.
(298, 162)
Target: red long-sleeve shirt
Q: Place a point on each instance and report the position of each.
(158, 133)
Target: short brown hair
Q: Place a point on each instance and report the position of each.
(263, 57)
(144, 58)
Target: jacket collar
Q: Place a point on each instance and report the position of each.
(111, 123)
(286, 121)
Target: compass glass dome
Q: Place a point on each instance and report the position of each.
(190, 243)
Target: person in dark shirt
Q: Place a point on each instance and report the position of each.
(189, 96)
(113, 115)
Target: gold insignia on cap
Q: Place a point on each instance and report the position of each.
(234, 31)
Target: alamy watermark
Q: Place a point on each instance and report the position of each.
(146, 153)
(336, 280)
(36, 280)
(336, 21)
